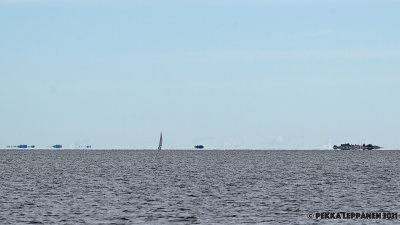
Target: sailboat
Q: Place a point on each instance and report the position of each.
(160, 144)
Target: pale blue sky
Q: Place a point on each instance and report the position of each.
(257, 74)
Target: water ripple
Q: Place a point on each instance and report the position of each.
(194, 187)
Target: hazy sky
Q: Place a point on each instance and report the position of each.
(258, 74)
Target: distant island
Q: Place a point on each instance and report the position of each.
(356, 147)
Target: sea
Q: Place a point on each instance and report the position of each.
(199, 187)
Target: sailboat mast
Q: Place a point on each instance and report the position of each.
(160, 143)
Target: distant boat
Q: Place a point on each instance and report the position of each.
(199, 146)
(160, 143)
(22, 146)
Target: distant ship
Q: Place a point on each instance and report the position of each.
(160, 143)
(199, 146)
(356, 147)
(21, 146)
(57, 146)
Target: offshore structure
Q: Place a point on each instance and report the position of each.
(356, 147)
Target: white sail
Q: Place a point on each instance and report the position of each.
(160, 144)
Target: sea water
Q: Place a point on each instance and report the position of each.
(196, 187)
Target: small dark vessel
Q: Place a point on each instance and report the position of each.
(198, 146)
(57, 146)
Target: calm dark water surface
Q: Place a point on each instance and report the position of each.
(195, 187)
